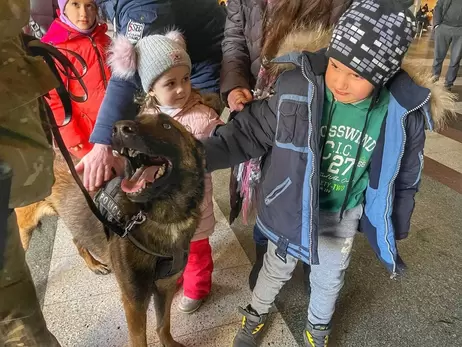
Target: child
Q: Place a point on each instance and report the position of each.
(78, 35)
(344, 133)
(252, 36)
(164, 68)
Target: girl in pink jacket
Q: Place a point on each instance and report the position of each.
(164, 68)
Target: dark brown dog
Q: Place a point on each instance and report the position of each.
(164, 177)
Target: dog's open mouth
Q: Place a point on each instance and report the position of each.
(143, 171)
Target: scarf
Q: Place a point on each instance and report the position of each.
(248, 174)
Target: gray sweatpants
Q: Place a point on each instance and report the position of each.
(326, 279)
(446, 36)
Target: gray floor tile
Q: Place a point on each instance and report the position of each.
(70, 279)
(277, 334)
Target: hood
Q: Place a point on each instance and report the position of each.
(442, 102)
(60, 32)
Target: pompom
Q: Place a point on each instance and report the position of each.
(122, 58)
(177, 36)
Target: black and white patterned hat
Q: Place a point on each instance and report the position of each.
(372, 37)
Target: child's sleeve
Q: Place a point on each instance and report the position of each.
(213, 121)
(235, 68)
(409, 176)
(248, 135)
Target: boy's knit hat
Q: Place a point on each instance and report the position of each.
(150, 57)
(372, 37)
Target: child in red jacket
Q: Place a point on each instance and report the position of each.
(79, 36)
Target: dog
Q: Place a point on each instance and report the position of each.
(164, 177)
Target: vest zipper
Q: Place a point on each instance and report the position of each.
(394, 274)
(100, 61)
(312, 159)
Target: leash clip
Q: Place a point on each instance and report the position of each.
(137, 219)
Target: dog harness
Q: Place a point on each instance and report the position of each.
(123, 225)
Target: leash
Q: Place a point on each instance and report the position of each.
(48, 53)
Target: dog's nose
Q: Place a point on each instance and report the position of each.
(124, 128)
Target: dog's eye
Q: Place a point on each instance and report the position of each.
(167, 126)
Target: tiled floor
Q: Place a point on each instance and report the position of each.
(423, 309)
(83, 309)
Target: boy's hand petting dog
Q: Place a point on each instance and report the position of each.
(238, 97)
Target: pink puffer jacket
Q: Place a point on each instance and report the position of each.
(200, 120)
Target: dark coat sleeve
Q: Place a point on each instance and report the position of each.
(409, 176)
(249, 135)
(118, 103)
(235, 71)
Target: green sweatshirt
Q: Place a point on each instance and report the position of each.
(342, 145)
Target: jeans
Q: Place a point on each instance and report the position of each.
(326, 279)
(446, 36)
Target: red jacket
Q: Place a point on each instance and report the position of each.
(92, 49)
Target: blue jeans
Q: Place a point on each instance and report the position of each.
(326, 279)
(445, 37)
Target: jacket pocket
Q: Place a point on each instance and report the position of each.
(143, 14)
(292, 127)
(139, 22)
(281, 188)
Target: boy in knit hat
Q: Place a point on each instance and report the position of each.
(164, 68)
(344, 134)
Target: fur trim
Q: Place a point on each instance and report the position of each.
(213, 101)
(177, 36)
(301, 39)
(122, 58)
(443, 103)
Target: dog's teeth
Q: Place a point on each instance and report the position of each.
(133, 153)
(115, 153)
(160, 172)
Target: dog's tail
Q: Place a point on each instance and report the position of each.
(29, 217)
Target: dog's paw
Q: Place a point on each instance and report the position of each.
(100, 269)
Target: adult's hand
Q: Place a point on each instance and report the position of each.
(238, 97)
(97, 166)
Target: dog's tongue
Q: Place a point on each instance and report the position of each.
(139, 179)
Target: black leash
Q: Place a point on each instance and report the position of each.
(37, 48)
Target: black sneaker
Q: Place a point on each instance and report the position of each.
(317, 335)
(252, 325)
